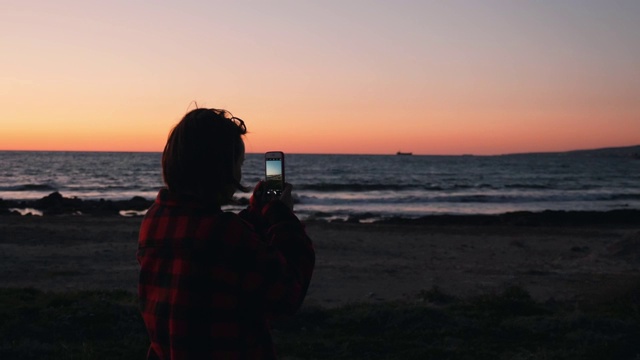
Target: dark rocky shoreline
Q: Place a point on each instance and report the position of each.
(529, 218)
(56, 204)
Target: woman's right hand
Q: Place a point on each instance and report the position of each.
(260, 196)
(286, 196)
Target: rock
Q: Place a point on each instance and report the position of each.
(135, 203)
(52, 200)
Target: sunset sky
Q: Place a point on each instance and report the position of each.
(347, 76)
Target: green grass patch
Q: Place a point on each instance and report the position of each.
(70, 325)
(509, 325)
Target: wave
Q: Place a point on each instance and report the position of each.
(625, 197)
(111, 188)
(355, 187)
(31, 187)
(352, 187)
(528, 186)
(495, 198)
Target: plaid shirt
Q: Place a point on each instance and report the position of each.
(210, 280)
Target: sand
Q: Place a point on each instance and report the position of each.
(355, 262)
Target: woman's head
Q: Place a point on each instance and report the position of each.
(204, 154)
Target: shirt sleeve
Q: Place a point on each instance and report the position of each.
(276, 260)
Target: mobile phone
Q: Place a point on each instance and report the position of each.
(274, 172)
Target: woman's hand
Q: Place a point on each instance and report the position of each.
(260, 196)
(286, 196)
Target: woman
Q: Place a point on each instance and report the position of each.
(210, 280)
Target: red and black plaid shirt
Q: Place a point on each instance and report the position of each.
(209, 280)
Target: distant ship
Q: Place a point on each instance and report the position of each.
(403, 153)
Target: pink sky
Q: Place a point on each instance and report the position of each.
(430, 77)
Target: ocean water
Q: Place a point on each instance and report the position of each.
(339, 186)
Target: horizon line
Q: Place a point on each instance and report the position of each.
(364, 154)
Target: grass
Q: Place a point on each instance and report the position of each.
(509, 325)
(74, 325)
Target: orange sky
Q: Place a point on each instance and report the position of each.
(430, 77)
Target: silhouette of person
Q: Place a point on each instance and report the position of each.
(211, 280)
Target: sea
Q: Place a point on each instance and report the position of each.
(369, 187)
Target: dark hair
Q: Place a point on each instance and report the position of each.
(201, 153)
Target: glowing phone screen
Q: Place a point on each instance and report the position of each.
(274, 173)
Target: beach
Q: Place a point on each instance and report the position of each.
(355, 262)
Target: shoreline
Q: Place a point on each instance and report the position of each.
(56, 204)
(355, 262)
